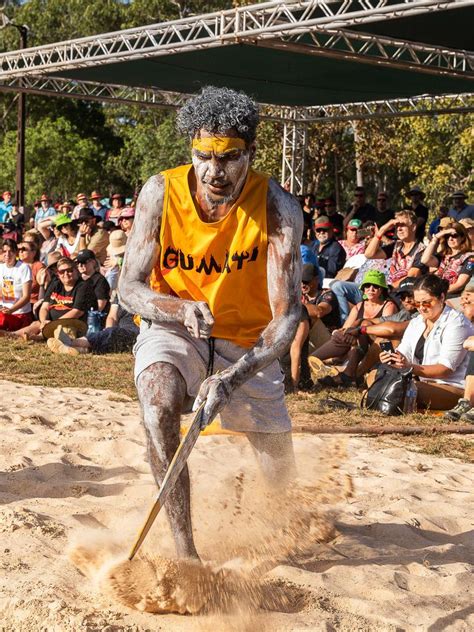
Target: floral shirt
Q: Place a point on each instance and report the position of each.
(353, 249)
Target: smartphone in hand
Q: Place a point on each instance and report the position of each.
(387, 346)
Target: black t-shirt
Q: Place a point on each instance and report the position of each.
(61, 300)
(331, 320)
(101, 289)
(365, 213)
(421, 211)
(382, 218)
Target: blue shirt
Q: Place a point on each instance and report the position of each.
(434, 226)
(466, 212)
(308, 256)
(100, 212)
(43, 214)
(5, 209)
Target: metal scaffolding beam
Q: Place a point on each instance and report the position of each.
(154, 98)
(295, 142)
(272, 21)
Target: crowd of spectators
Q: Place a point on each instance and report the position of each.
(384, 285)
(59, 272)
(371, 274)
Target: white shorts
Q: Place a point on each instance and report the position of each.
(257, 406)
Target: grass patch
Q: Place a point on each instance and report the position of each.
(33, 363)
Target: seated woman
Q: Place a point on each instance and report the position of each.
(119, 336)
(67, 296)
(28, 252)
(320, 316)
(432, 346)
(375, 303)
(447, 256)
(68, 240)
(15, 289)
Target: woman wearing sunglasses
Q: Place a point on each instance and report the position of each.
(448, 255)
(28, 252)
(432, 346)
(375, 303)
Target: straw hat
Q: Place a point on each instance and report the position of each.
(117, 242)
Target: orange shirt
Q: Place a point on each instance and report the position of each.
(223, 263)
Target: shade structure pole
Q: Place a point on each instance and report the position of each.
(295, 143)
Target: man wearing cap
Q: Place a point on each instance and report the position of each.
(91, 236)
(353, 244)
(360, 208)
(82, 202)
(117, 202)
(421, 211)
(96, 205)
(221, 244)
(320, 317)
(45, 211)
(125, 220)
(460, 210)
(435, 224)
(337, 220)
(331, 255)
(89, 270)
(5, 206)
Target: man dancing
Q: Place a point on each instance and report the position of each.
(213, 268)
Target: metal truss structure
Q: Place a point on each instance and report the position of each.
(424, 105)
(293, 168)
(311, 27)
(275, 24)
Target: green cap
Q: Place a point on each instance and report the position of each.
(60, 220)
(355, 223)
(374, 277)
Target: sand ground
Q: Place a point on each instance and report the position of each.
(74, 470)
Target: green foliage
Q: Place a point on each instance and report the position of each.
(150, 144)
(58, 160)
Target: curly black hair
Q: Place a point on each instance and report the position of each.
(217, 110)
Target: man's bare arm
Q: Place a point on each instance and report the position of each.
(143, 251)
(285, 227)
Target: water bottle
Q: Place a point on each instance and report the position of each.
(94, 321)
(409, 406)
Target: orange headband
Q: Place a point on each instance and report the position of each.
(218, 144)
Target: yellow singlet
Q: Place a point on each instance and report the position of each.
(223, 263)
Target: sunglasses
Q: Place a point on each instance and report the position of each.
(424, 304)
(354, 230)
(374, 287)
(454, 236)
(321, 230)
(401, 225)
(24, 249)
(359, 194)
(66, 271)
(407, 297)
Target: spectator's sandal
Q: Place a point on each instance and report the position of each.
(336, 382)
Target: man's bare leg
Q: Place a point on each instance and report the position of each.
(275, 456)
(161, 390)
